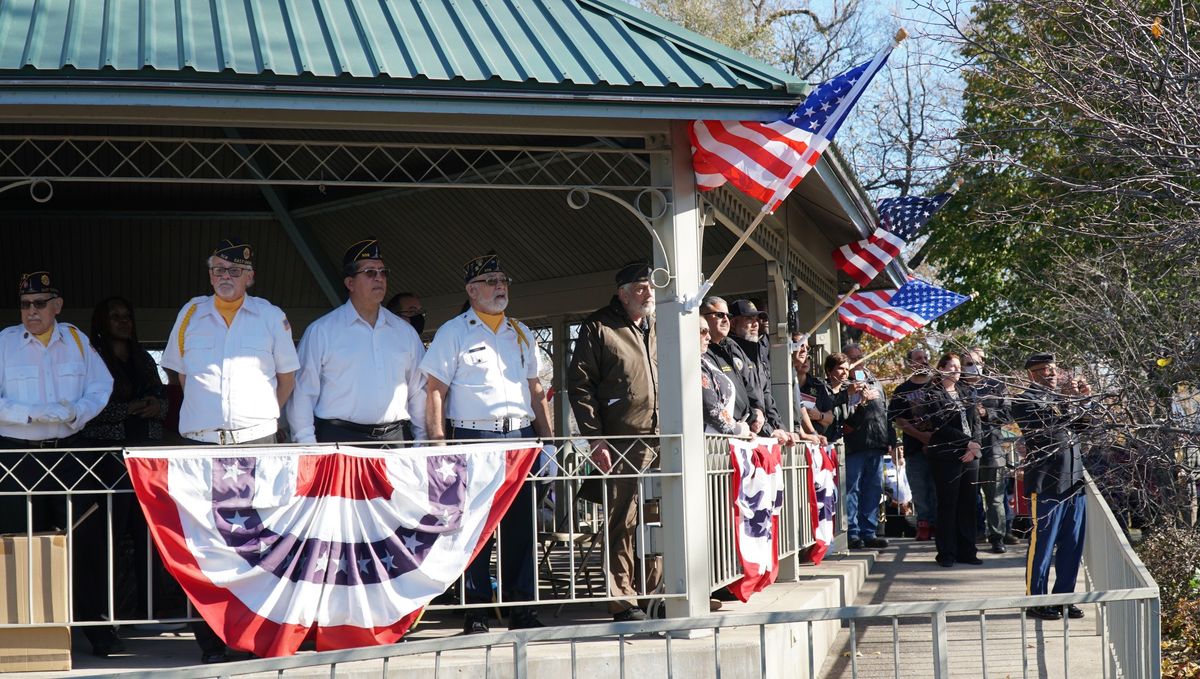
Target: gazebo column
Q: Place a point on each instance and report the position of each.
(782, 379)
(684, 505)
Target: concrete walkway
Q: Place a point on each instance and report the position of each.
(906, 572)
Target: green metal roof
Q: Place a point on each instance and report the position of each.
(558, 45)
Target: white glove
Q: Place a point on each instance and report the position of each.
(547, 461)
(70, 411)
(48, 413)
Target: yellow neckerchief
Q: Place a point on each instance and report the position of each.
(228, 309)
(492, 321)
(44, 338)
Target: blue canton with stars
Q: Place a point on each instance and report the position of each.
(925, 300)
(825, 99)
(905, 215)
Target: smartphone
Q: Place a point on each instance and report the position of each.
(860, 376)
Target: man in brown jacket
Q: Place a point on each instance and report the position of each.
(613, 387)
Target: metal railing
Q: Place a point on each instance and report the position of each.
(795, 527)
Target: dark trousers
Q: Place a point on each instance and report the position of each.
(518, 530)
(206, 638)
(993, 481)
(1057, 537)
(330, 432)
(956, 488)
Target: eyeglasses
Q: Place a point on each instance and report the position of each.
(494, 281)
(721, 315)
(704, 331)
(38, 304)
(372, 273)
(232, 271)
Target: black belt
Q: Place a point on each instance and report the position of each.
(372, 430)
(68, 442)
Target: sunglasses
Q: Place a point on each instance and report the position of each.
(721, 315)
(372, 273)
(38, 304)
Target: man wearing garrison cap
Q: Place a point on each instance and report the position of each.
(482, 376)
(237, 364)
(613, 387)
(54, 382)
(360, 377)
(1050, 419)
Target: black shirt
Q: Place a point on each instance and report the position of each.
(903, 404)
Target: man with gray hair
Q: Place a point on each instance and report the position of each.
(613, 387)
(732, 361)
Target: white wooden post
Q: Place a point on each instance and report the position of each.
(684, 507)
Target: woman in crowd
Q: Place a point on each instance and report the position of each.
(812, 401)
(718, 393)
(954, 452)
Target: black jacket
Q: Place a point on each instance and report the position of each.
(953, 422)
(732, 361)
(864, 425)
(992, 395)
(1049, 425)
(760, 390)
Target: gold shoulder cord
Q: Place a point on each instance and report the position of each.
(183, 326)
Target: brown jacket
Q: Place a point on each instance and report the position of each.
(613, 378)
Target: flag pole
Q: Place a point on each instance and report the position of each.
(878, 350)
(835, 307)
(849, 100)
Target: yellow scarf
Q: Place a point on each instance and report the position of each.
(228, 309)
(44, 338)
(492, 321)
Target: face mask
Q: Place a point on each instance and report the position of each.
(418, 322)
(970, 370)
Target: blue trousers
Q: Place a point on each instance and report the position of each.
(864, 486)
(1057, 537)
(518, 530)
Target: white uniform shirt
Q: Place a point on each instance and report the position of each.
(63, 370)
(352, 371)
(230, 371)
(488, 373)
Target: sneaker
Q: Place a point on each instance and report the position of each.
(633, 614)
(475, 623)
(875, 543)
(1044, 613)
(714, 605)
(1074, 612)
(998, 547)
(855, 543)
(924, 531)
(1010, 539)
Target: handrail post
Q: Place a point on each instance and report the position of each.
(941, 646)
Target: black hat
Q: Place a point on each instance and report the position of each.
(35, 283)
(234, 250)
(481, 265)
(743, 307)
(634, 272)
(1039, 358)
(368, 248)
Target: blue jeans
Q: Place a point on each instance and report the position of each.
(519, 530)
(864, 487)
(920, 479)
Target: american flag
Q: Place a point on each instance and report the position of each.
(899, 221)
(892, 315)
(767, 160)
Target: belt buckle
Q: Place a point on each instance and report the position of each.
(507, 426)
(378, 431)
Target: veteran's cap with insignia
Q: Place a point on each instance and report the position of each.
(1039, 358)
(367, 248)
(36, 283)
(634, 272)
(480, 265)
(234, 250)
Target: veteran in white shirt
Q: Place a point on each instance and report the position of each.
(360, 377)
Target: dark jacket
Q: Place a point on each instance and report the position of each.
(732, 361)
(760, 360)
(613, 378)
(1049, 425)
(953, 422)
(993, 396)
(863, 425)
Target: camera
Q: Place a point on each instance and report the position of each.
(859, 375)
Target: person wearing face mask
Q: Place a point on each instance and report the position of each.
(954, 453)
(359, 374)
(991, 401)
(408, 307)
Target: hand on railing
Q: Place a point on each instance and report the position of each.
(601, 456)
